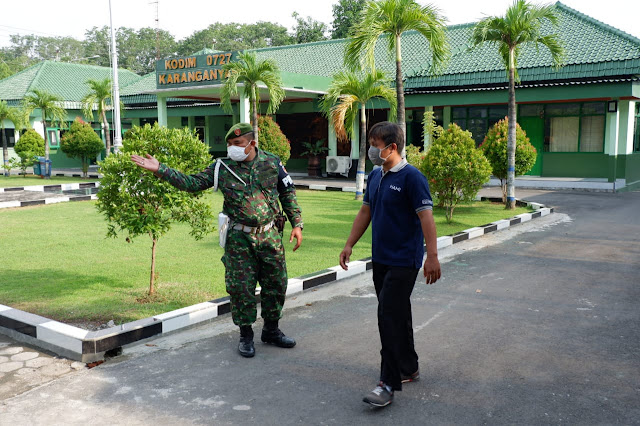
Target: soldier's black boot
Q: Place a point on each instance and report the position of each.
(271, 334)
(245, 347)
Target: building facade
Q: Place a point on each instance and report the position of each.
(583, 119)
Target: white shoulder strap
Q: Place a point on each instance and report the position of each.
(216, 173)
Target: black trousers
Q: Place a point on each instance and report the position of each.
(394, 285)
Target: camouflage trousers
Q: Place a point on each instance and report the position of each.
(252, 258)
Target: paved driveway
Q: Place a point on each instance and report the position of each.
(535, 325)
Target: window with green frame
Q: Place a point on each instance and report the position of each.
(478, 119)
(571, 127)
(636, 132)
(53, 136)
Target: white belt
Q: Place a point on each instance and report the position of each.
(253, 229)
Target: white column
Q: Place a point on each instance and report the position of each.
(426, 136)
(446, 117)
(162, 111)
(611, 135)
(333, 140)
(355, 140)
(611, 141)
(627, 123)
(244, 109)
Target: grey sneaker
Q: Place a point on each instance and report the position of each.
(379, 397)
(411, 377)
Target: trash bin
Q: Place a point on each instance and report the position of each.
(42, 167)
(45, 168)
(36, 166)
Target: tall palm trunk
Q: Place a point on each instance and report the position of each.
(107, 134)
(400, 92)
(46, 146)
(362, 156)
(5, 150)
(254, 114)
(511, 137)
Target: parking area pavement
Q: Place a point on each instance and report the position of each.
(537, 324)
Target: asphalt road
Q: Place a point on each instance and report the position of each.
(538, 324)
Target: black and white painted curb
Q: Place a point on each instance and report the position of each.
(88, 346)
(50, 188)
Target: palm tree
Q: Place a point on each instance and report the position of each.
(97, 98)
(520, 26)
(347, 92)
(392, 18)
(50, 108)
(249, 71)
(14, 115)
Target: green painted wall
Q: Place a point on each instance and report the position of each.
(298, 107)
(174, 122)
(587, 165)
(538, 94)
(60, 160)
(218, 127)
(632, 171)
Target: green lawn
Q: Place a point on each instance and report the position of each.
(29, 180)
(58, 263)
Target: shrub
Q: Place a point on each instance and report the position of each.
(81, 142)
(415, 156)
(137, 203)
(456, 169)
(30, 145)
(494, 147)
(272, 139)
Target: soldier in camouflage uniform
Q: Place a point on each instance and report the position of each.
(252, 181)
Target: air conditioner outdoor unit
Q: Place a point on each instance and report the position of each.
(338, 164)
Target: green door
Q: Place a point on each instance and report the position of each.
(534, 128)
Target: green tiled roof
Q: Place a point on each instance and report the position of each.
(64, 79)
(593, 48)
(134, 93)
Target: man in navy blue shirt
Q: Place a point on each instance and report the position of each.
(398, 204)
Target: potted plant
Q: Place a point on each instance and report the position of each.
(314, 150)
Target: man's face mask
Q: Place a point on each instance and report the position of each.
(374, 155)
(236, 153)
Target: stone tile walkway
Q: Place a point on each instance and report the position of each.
(23, 368)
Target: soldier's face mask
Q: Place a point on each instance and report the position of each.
(237, 153)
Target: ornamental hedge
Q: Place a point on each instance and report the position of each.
(455, 168)
(494, 147)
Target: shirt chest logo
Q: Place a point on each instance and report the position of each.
(395, 188)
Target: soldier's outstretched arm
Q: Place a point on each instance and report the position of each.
(191, 183)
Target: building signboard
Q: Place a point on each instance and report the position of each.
(188, 71)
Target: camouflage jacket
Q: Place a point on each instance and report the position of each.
(253, 204)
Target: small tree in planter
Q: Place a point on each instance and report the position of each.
(81, 142)
(30, 145)
(494, 147)
(313, 151)
(272, 139)
(137, 203)
(456, 169)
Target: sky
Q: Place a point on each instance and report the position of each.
(182, 17)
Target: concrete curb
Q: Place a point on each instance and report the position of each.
(88, 346)
(50, 200)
